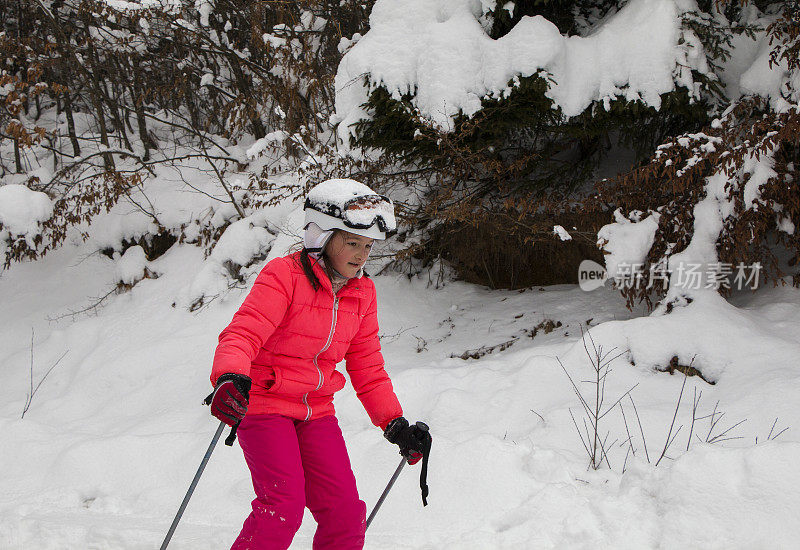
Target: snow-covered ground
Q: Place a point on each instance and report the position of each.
(115, 433)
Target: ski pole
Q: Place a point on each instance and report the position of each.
(192, 486)
(386, 492)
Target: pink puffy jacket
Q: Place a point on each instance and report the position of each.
(288, 338)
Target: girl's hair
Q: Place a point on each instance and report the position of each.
(308, 269)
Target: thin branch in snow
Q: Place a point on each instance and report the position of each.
(717, 438)
(539, 415)
(674, 416)
(93, 307)
(779, 433)
(771, 429)
(33, 390)
(712, 423)
(771, 437)
(641, 430)
(580, 435)
(618, 400)
(695, 403)
(629, 441)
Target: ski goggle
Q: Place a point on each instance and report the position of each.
(361, 212)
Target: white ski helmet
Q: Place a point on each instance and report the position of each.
(351, 206)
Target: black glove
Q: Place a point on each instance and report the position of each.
(230, 397)
(412, 440)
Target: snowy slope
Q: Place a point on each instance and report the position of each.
(115, 433)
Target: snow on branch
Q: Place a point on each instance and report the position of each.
(439, 52)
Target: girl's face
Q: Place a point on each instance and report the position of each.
(348, 252)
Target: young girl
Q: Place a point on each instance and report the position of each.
(274, 373)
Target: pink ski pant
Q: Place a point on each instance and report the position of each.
(295, 464)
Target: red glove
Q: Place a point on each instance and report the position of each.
(229, 398)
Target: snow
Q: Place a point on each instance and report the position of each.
(205, 8)
(748, 70)
(761, 169)
(124, 5)
(627, 242)
(241, 241)
(260, 145)
(762, 79)
(440, 52)
(337, 192)
(709, 216)
(22, 209)
(744, 51)
(272, 40)
(785, 224)
(561, 233)
(130, 267)
(207, 79)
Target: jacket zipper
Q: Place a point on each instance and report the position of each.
(327, 344)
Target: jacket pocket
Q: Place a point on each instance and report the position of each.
(266, 379)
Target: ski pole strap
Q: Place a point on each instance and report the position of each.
(426, 451)
(232, 436)
(423, 475)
